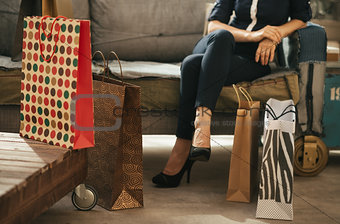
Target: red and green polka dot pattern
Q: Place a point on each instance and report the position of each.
(48, 87)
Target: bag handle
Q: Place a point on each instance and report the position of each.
(48, 36)
(105, 64)
(238, 96)
(284, 112)
(270, 111)
(120, 65)
(244, 93)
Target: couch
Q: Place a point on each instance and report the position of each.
(151, 37)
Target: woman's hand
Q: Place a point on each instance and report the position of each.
(270, 32)
(265, 51)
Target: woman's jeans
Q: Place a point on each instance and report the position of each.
(215, 62)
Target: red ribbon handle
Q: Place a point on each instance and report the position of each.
(49, 35)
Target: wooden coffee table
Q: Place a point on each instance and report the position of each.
(35, 175)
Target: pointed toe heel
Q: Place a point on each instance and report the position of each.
(169, 181)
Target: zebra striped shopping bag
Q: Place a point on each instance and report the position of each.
(275, 198)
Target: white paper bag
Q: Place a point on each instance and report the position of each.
(275, 199)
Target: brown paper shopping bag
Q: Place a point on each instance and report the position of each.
(243, 162)
(56, 8)
(115, 167)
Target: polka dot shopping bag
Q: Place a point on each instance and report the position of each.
(56, 87)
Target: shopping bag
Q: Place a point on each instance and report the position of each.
(56, 86)
(275, 198)
(243, 162)
(56, 8)
(115, 164)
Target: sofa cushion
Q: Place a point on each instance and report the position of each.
(140, 69)
(152, 30)
(163, 94)
(8, 17)
(81, 9)
(10, 78)
(160, 85)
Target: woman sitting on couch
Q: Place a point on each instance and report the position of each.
(230, 53)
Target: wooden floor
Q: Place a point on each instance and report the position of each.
(35, 175)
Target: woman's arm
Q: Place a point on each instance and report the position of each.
(266, 49)
(291, 26)
(270, 32)
(274, 33)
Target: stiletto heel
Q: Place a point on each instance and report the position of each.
(189, 171)
(199, 153)
(163, 180)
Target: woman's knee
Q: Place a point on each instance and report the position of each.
(191, 65)
(222, 36)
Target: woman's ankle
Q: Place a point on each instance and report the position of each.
(203, 117)
(182, 142)
(201, 136)
(178, 156)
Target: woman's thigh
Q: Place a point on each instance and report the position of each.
(244, 69)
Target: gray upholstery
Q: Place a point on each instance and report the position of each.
(81, 9)
(153, 30)
(8, 17)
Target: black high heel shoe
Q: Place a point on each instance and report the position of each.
(199, 154)
(163, 180)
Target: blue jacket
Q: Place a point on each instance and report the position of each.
(255, 14)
